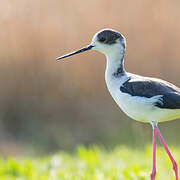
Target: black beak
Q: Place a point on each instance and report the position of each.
(76, 52)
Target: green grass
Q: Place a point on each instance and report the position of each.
(92, 163)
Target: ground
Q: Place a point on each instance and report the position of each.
(93, 163)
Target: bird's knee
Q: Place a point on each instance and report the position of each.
(153, 174)
(175, 166)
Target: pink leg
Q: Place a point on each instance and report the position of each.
(153, 174)
(175, 168)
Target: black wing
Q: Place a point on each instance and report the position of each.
(149, 87)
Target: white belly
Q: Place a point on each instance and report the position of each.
(139, 108)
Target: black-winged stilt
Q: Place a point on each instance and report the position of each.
(141, 98)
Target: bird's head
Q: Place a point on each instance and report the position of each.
(106, 41)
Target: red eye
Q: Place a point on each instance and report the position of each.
(102, 39)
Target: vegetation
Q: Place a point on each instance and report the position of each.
(94, 163)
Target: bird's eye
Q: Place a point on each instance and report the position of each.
(102, 39)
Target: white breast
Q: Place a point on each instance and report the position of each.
(126, 102)
(138, 108)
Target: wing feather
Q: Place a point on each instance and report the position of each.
(149, 87)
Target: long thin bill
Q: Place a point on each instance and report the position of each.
(76, 52)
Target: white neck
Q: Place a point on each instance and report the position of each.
(115, 64)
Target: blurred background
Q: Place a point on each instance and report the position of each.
(47, 106)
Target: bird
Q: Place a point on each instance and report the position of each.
(144, 99)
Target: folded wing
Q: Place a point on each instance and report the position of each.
(149, 87)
